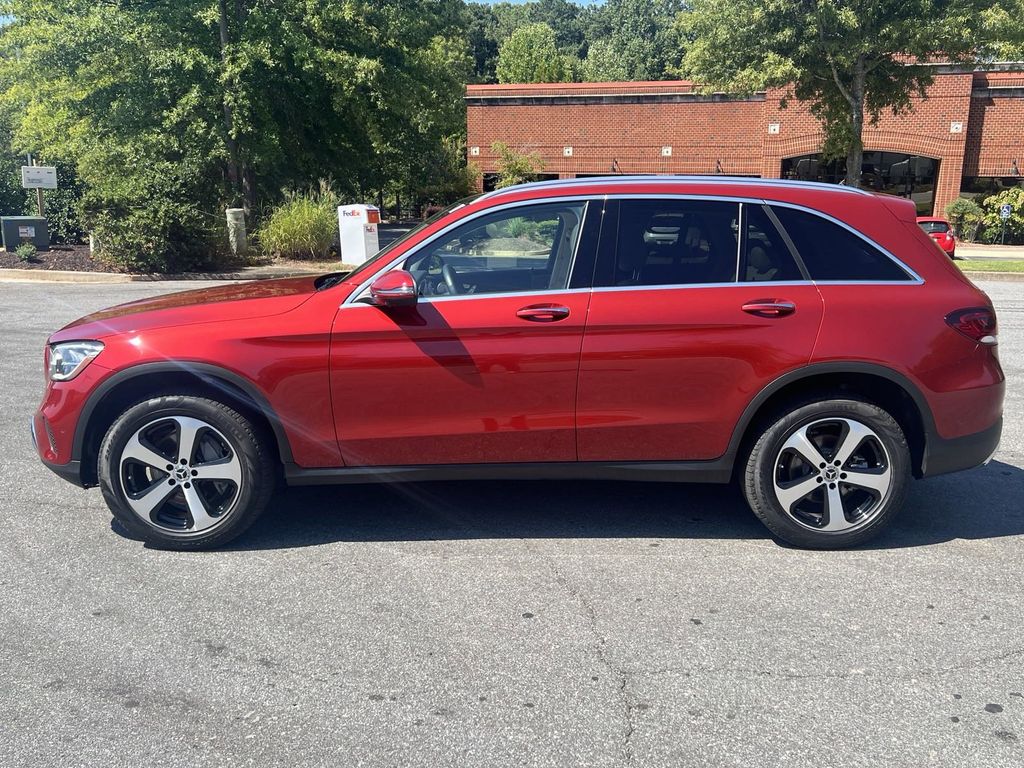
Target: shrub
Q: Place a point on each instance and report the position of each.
(993, 225)
(26, 252)
(965, 215)
(304, 226)
(515, 167)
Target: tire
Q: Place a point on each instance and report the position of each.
(199, 500)
(868, 486)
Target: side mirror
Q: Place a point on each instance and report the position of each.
(394, 289)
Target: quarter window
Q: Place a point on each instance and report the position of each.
(831, 252)
(675, 242)
(522, 249)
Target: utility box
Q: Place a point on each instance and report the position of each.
(25, 229)
(357, 226)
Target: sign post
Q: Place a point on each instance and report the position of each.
(38, 177)
(1004, 213)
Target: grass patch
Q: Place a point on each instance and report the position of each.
(991, 265)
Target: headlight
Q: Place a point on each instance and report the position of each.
(69, 358)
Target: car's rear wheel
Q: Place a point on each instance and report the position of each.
(185, 472)
(829, 474)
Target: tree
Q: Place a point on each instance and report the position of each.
(1005, 30)
(633, 40)
(531, 56)
(850, 59)
(168, 111)
(515, 167)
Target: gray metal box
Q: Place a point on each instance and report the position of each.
(25, 229)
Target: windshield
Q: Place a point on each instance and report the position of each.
(395, 244)
(934, 227)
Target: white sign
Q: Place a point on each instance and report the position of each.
(773, 128)
(26, 232)
(474, 151)
(956, 127)
(1005, 210)
(566, 151)
(38, 177)
(666, 151)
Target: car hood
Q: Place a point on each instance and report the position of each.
(238, 301)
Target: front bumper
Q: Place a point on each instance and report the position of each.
(942, 456)
(71, 471)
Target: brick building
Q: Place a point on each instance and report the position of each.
(965, 137)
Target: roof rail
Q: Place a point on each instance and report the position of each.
(686, 179)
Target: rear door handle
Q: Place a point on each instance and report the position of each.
(543, 313)
(769, 307)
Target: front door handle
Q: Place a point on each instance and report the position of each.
(543, 313)
(769, 307)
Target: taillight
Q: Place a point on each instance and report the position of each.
(976, 323)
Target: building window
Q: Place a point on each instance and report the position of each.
(893, 173)
(982, 186)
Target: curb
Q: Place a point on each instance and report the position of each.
(66, 276)
(1002, 277)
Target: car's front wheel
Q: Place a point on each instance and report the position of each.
(185, 472)
(828, 474)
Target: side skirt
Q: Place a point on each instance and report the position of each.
(718, 471)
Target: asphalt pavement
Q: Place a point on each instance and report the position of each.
(507, 623)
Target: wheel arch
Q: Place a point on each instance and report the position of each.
(883, 386)
(132, 385)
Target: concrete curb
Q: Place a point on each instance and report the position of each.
(1003, 277)
(64, 276)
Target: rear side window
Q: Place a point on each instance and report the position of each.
(765, 257)
(832, 252)
(675, 242)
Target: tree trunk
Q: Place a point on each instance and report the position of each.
(234, 165)
(855, 154)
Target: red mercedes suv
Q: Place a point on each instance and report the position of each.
(807, 341)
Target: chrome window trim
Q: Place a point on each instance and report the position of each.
(353, 298)
(358, 293)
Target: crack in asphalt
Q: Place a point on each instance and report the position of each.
(618, 673)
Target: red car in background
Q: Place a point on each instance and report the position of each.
(941, 231)
(805, 341)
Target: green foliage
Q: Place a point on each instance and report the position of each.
(992, 224)
(515, 167)
(449, 176)
(1004, 30)
(965, 216)
(634, 40)
(166, 122)
(304, 226)
(26, 252)
(530, 55)
(851, 59)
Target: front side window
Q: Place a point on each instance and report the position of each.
(832, 252)
(518, 250)
(675, 242)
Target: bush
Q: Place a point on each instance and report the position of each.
(965, 215)
(993, 225)
(26, 252)
(515, 167)
(304, 226)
